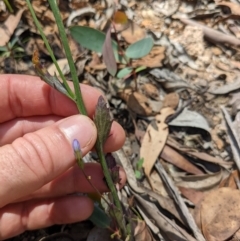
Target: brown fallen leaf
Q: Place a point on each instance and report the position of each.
(171, 156)
(153, 59)
(133, 33)
(219, 213)
(194, 196)
(208, 158)
(231, 180)
(142, 232)
(9, 26)
(199, 155)
(235, 7)
(154, 140)
(171, 100)
(138, 103)
(63, 64)
(151, 91)
(203, 182)
(216, 139)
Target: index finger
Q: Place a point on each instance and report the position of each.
(23, 95)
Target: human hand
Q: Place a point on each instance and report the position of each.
(37, 163)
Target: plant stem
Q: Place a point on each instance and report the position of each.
(64, 40)
(119, 214)
(71, 94)
(8, 6)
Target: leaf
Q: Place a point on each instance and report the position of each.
(89, 38)
(153, 60)
(154, 140)
(231, 181)
(9, 27)
(108, 54)
(224, 89)
(200, 182)
(141, 231)
(63, 65)
(138, 174)
(192, 195)
(42, 72)
(140, 48)
(3, 48)
(140, 69)
(235, 8)
(124, 72)
(219, 213)
(174, 157)
(100, 218)
(139, 103)
(140, 163)
(120, 17)
(188, 118)
(93, 39)
(102, 120)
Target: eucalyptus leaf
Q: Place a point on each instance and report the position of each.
(140, 48)
(108, 55)
(124, 72)
(93, 39)
(188, 118)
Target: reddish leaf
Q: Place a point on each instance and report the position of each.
(108, 55)
(120, 17)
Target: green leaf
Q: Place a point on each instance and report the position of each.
(100, 218)
(103, 121)
(138, 174)
(140, 69)
(89, 38)
(140, 48)
(140, 163)
(3, 48)
(93, 39)
(108, 54)
(124, 72)
(18, 49)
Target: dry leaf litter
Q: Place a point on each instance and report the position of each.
(182, 122)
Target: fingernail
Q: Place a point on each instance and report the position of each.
(78, 127)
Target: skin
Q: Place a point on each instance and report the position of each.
(37, 165)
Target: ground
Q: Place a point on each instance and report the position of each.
(180, 112)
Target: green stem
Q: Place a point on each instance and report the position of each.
(8, 6)
(119, 214)
(64, 40)
(71, 94)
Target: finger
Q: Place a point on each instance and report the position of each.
(22, 95)
(18, 217)
(37, 158)
(73, 181)
(115, 139)
(13, 129)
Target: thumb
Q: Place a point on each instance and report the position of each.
(37, 158)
